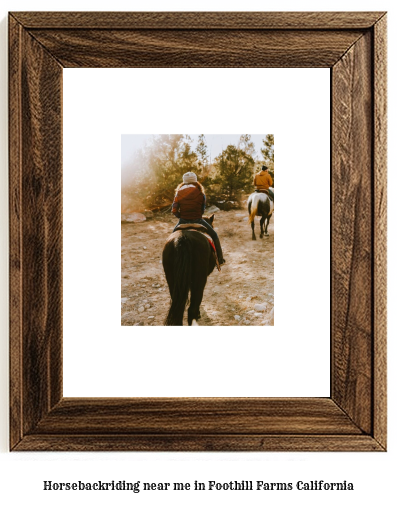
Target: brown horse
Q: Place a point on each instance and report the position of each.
(187, 262)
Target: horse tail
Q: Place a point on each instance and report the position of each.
(249, 207)
(182, 280)
(252, 209)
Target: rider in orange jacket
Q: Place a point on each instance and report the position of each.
(263, 181)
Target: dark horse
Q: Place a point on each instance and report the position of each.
(187, 262)
(259, 204)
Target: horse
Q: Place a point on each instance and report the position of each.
(187, 262)
(259, 204)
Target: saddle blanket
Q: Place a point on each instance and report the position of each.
(202, 230)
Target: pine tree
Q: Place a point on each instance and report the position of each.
(170, 157)
(234, 168)
(203, 163)
(157, 170)
(268, 153)
(247, 145)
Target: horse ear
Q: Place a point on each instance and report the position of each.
(211, 218)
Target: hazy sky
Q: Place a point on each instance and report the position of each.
(215, 143)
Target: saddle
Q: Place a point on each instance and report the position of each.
(202, 230)
(195, 227)
(263, 191)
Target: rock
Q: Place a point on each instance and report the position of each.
(258, 314)
(211, 209)
(151, 317)
(245, 219)
(271, 317)
(128, 317)
(132, 217)
(260, 307)
(147, 306)
(240, 215)
(139, 324)
(230, 205)
(227, 205)
(124, 300)
(141, 309)
(148, 214)
(237, 317)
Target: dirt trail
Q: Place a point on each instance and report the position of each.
(247, 278)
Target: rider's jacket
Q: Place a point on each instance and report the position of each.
(189, 202)
(263, 180)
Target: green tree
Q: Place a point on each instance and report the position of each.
(169, 157)
(151, 178)
(267, 151)
(247, 145)
(234, 168)
(202, 151)
(268, 148)
(203, 162)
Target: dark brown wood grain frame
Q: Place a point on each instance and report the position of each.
(353, 46)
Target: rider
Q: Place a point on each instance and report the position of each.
(263, 181)
(189, 206)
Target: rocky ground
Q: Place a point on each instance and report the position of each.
(241, 294)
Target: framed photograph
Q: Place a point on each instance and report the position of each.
(353, 47)
(182, 195)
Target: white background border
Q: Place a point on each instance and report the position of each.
(290, 359)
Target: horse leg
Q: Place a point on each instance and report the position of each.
(267, 223)
(261, 222)
(177, 261)
(168, 266)
(196, 296)
(253, 227)
(193, 313)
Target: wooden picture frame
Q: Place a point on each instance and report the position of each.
(353, 46)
